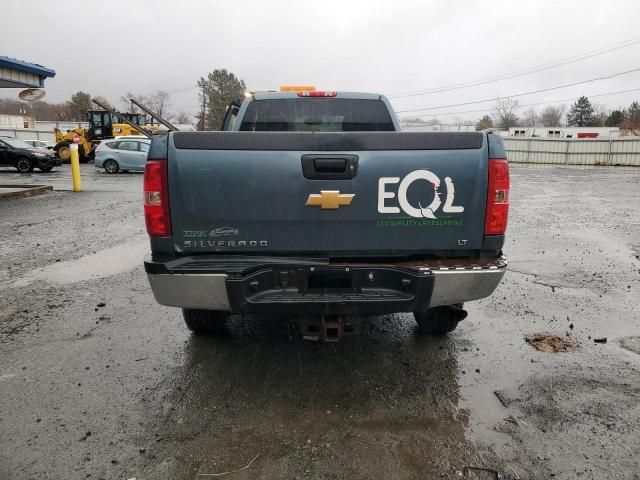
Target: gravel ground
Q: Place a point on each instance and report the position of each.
(98, 381)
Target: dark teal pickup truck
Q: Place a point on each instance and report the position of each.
(315, 204)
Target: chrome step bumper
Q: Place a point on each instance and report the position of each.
(452, 283)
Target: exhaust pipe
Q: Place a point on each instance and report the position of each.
(455, 312)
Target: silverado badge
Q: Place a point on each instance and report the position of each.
(329, 199)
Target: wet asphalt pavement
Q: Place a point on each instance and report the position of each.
(98, 381)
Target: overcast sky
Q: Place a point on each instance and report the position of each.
(388, 47)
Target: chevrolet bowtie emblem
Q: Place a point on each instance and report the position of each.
(329, 199)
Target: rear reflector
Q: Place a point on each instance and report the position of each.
(317, 94)
(497, 197)
(156, 199)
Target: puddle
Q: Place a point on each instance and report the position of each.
(631, 343)
(550, 343)
(8, 312)
(104, 263)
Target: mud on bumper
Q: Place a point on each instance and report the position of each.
(272, 285)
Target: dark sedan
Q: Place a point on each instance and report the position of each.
(24, 157)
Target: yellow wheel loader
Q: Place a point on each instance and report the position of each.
(103, 125)
(63, 140)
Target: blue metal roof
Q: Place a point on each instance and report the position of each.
(33, 68)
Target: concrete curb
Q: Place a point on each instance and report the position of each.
(22, 191)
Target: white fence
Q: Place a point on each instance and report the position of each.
(574, 151)
(28, 134)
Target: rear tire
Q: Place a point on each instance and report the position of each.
(205, 322)
(440, 320)
(111, 166)
(24, 165)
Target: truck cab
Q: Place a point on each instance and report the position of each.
(306, 111)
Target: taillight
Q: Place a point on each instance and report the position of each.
(317, 94)
(497, 197)
(156, 199)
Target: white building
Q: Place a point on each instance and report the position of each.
(28, 128)
(64, 125)
(438, 127)
(16, 121)
(565, 132)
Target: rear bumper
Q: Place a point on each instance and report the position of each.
(276, 287)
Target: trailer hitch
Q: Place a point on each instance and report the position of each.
(328, 328)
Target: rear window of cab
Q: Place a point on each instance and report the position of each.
(317, 115)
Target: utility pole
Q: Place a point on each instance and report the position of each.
(203, 114)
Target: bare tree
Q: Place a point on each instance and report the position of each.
(159, 102)
(600, 115)
(103, 101)
(412, 120)
(552, 116)
(156, 102)
(461, 122)
(39, 109)
(631, 124)
(504, 113)
(530, 118)
(628, 127)
(128, 106)
(183, 117)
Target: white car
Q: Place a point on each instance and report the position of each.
(122, 154)
(40, 143)
(131, 137)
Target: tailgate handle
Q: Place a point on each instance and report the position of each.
(329, 166)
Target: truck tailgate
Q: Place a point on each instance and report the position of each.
(329, 193)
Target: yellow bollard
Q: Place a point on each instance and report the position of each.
(75, 168)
